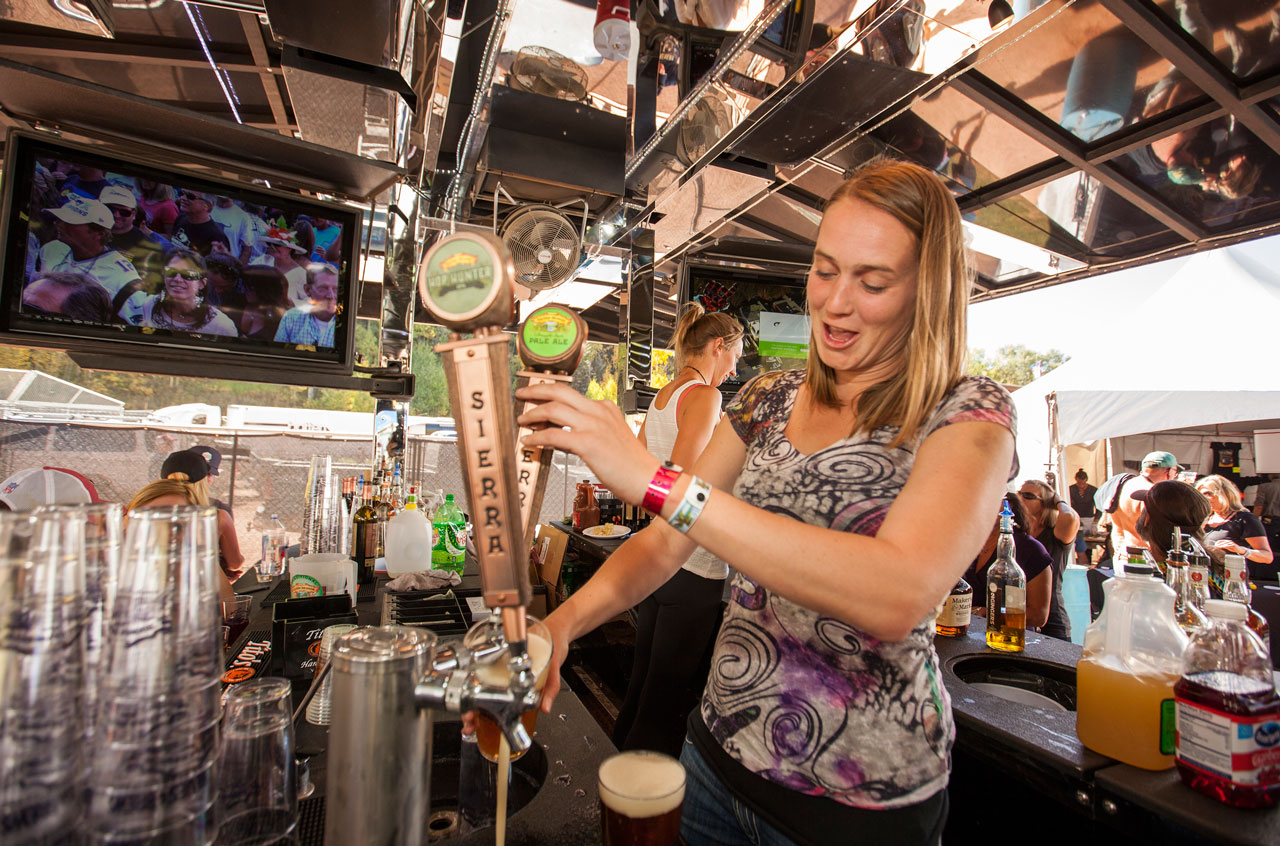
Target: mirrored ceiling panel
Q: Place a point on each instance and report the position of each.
(1218, 173)
(1088, 73)
(1242, 35)
(1077, 215)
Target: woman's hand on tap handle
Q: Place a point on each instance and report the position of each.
(593, 430)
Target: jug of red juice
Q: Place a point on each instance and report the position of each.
(1228, 712)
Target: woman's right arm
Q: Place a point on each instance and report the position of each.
(637, 568)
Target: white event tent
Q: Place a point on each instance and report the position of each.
(1200, 357)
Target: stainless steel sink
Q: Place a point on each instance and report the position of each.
(1005, 673)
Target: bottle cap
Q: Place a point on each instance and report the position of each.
(1139, 568)
(1234, 559)
(1224, 609)
(448, 497)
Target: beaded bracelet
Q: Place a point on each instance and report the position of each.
(660, 487)
(691, 505)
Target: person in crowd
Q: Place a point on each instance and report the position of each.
(196, 228)
(1157, 466)
(1169, 505)
(144, 248)
(313, 324)
(1082, 494)
(676, 624)
(1054, 524)
(257, 218)
(328, 241)
(181, 305)
(194, 467)
(1231, 528)
(848, 497)
(29, 489)
(1266, 507)
(83, 228)
(1032, 557)
(156, 200)
(67, 293)
(171, 492)
(85, 181)
(283, 251)
(266, 301)
(238, 226)
(225, 291)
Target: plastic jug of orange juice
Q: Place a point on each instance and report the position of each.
(1124, 682)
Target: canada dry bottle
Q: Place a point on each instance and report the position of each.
(1228, 712)
(953, 615)
(1006, 593)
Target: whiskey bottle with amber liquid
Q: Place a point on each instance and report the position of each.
(1006, 593)
(953, 616)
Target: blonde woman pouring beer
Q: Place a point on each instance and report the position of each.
(824, 714)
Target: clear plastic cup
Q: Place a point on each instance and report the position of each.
(258, 793)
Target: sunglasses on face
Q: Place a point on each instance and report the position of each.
(189, 275)
(189, 197)
(1028, 495)
(121, 211)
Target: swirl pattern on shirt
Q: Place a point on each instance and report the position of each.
(805, 700)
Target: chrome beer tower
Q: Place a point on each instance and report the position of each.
(386, 681)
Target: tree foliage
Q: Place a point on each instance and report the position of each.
(1014, 364)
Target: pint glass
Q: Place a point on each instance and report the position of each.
(494, 672)
(641, 793)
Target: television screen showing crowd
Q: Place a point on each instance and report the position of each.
(117, 249)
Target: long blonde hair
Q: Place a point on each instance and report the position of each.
(697, 328)
(193, 492)
(1224, 488)
(1048, 502)
(935, 344)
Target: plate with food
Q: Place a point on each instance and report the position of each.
(607, 531)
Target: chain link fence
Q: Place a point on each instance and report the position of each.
(261, 473)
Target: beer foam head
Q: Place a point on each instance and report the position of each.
(539, 657)
(641, 784)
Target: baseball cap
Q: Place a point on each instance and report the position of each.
(84, 210)
(28, 489)
(1160, 459)
(116, 195)
(196, 462)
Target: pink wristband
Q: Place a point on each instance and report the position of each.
(660, 487)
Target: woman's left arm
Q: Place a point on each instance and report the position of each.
(1067, 524)
(229, 546)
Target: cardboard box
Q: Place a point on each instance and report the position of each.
(553, 543)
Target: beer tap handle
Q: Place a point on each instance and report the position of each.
(550, 343)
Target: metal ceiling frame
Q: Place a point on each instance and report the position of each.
(1222, 96)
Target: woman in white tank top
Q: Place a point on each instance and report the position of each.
(676, 624)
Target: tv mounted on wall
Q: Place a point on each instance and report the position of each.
(134, 266)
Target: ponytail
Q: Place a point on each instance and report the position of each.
(697, 328)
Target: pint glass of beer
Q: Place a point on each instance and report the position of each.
(495, 673)
(641, 793)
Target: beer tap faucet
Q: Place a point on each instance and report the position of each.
(466, 281)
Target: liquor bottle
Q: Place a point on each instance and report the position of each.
(1236, 589)
(1198, 575)
(364, 533)
(383, 509)
(1006, 593)
(953, 616)
(1178, 576)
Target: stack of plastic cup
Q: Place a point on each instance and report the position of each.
(158, 704)
(318, 707)
(42, 775)
(102, 527)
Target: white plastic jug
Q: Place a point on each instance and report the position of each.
(408, 543)
(1124, 682)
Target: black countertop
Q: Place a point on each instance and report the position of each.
(1032, 738)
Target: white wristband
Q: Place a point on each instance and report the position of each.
(691, 505)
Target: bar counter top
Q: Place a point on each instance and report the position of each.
(1039, 746)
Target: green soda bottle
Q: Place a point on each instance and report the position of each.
(450, 530)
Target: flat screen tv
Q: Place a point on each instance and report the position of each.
(769, 304)
(159, 270)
